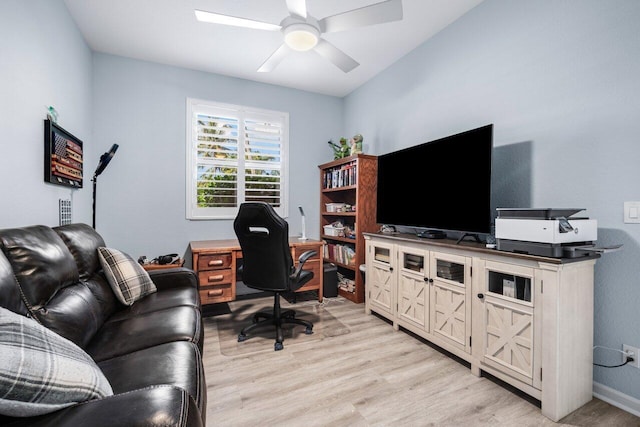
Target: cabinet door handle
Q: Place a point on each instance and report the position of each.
(215, 293)
(214, 262)
(480, 296)
(217, 278)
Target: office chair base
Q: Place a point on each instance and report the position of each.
(277, 319)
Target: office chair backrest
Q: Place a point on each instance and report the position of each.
(264, 239)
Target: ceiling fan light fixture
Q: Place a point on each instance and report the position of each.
(301, 37)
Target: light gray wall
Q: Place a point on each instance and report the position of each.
(560, 82)
(43, 61)
(142, 106)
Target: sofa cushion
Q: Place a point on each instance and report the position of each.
(41, 262)
(176, 363)
(165, 405)
(10, 296)
(119, 337)
(83, 243)
(47, 279)
(129, 281)
(160, 300)
(73, 313)
(42, 372)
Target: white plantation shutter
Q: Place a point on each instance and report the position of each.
(234, 154)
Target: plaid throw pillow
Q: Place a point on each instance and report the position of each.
(127, 278)
(42, 372)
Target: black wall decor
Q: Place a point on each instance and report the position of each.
(62, 156)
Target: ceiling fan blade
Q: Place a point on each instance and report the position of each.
(336, 56)
(379, 13)
(216, 18)
(275, 58)
(297, 8)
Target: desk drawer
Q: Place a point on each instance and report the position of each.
(215, 277)
(214, 261)
(215, 294)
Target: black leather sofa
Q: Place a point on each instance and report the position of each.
(150, 352)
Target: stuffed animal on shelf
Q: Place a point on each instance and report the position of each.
(356, 144)
(340, 151)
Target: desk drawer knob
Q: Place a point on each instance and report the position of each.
(215, 293)
(214, 262)
(217, 278)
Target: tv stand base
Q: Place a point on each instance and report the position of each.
(474, 235)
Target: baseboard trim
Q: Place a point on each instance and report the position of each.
(616, 398)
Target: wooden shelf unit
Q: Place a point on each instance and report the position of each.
(358, 189)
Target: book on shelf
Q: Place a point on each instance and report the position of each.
(381, 258)
(459, 269)
(442, 263)
(341, 176)
(456, 277)
(413, 262)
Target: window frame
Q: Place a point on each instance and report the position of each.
(194, 105)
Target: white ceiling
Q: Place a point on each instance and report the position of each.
(166, 32)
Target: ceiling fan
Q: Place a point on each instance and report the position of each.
(302, 31)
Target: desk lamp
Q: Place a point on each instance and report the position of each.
(104, 161)
(304, 231)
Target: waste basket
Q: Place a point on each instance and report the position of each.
(330, 280)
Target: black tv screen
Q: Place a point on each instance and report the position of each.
(443, 184)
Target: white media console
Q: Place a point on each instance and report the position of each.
(527, 320)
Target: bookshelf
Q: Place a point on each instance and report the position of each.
(348, 195)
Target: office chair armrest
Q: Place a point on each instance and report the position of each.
(301, 260)
(306, 255)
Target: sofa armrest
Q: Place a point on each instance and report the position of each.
(158, 405)
(174, 278)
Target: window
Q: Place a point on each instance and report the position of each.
(235, 154)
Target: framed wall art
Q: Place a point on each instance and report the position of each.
(62, 156)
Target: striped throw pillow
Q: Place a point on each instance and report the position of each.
(127, 278)
(42, 372)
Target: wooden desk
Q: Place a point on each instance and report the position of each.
(216, 263)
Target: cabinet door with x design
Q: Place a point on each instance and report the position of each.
(510, 326)
(450, 299)
(413, 288)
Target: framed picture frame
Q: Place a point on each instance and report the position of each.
(63, 158)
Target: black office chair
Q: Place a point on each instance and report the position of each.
(268, 265)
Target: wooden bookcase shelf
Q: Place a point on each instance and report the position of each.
(353, 181)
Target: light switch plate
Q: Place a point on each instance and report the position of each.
(631, 212)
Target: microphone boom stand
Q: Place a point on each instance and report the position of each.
(102, 164)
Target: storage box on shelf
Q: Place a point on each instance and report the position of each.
(348, 196)
(335, 207)
(332, 230)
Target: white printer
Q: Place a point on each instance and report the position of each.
(546, 232)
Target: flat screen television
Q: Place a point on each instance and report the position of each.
(442, 185)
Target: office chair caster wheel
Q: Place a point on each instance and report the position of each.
(242, 337)
(278, 346)
(308, 331)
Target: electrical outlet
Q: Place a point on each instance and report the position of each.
(636, 355)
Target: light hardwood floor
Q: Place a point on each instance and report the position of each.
(372, 376)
